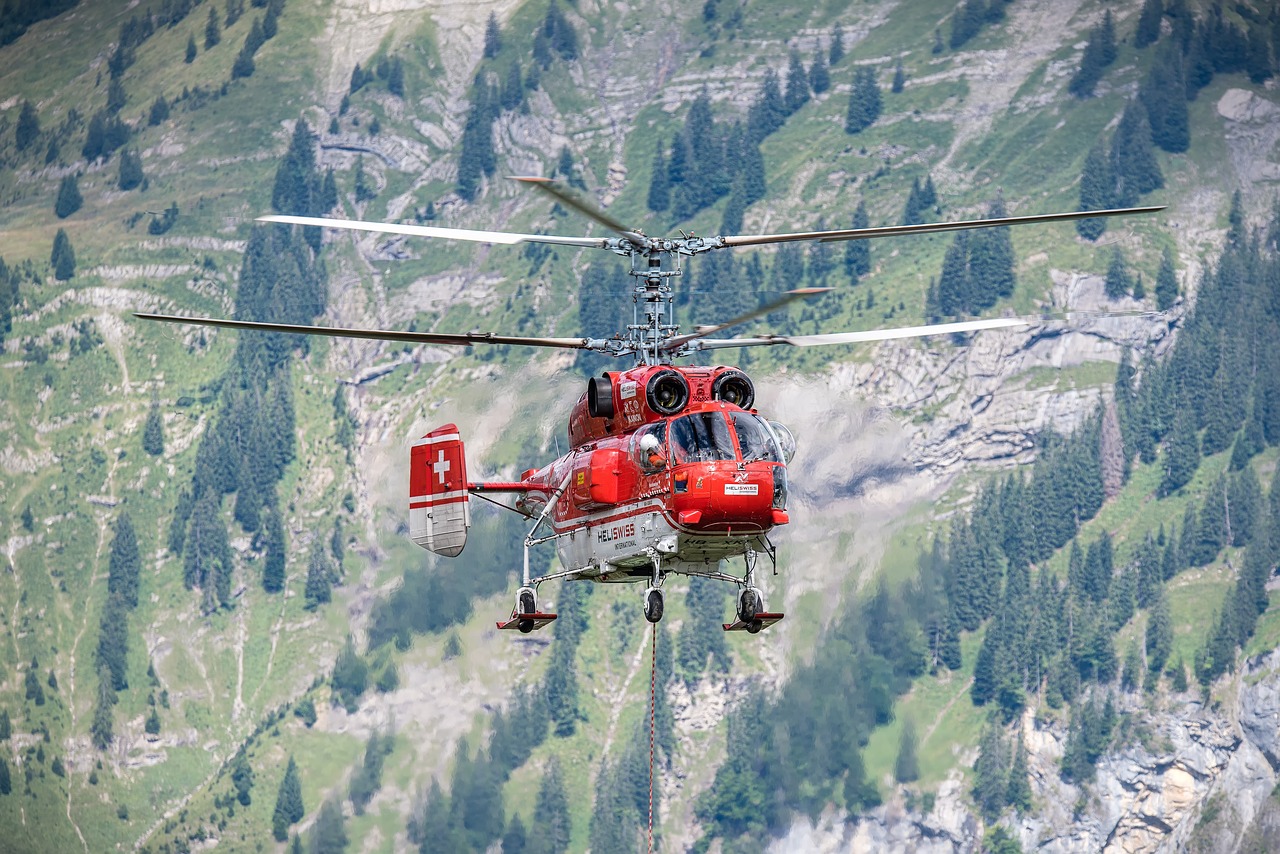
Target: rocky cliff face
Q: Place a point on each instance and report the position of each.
(1189, 776)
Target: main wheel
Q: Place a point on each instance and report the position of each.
(653, 604)
(748, 605)
(754, 627)
(527, 602)
(525, 626)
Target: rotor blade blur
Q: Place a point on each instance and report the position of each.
(868, 335)
(927, 227)
(575, 202)
(499, 237)
(459, 339)
(702, 332)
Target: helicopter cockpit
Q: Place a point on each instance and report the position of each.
(712, 436)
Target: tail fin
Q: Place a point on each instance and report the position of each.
(439, 512)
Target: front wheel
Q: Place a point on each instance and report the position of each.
(748, 605)
(653, 604)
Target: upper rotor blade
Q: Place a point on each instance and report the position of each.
(926, 227)
(461, 339)
(868, 335)
(575, 202)
(501, 237)
(789, 297)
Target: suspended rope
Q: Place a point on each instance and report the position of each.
(653, 714)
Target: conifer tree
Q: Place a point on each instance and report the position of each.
(69, 198)
(819, 73)
(130, 170)
(190, 55)
(1162, 95)
(492, 37)
(515, 840)
(276, 547)
(318, 587)
(212, 31)
(797, 91)
(101, 730)
(27, 129)
(113, 641)
(857, 253)
(1018, 795)
(125, 563)
(906, 768)
(153, 431)
(1148, 30)
(991, 773)
(659, 198)
(899, 79)
(364, 188)
(1118, 283)
(864, 101)
(6, 785)
(967, 21)
(836, 52)
(6, 729)
(553, 811)
(1166, 282)
(1133, 161)
(1182, 452)
(1096, 184)
(289, 807)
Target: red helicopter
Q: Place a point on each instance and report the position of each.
(670, 468)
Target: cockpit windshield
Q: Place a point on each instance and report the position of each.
(755, 438)
(702, 437)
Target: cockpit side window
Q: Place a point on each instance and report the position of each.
(651, 453)
(702, 437)
(755, 438)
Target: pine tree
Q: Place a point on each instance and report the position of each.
(350, 676)
(1018, 795)
(553, 811)
(515, 840)
(130, 170)
(836, 52)
(212, 31)
(991, 783)
(364, 188)
(797, 91)
(6, 729)
(125, 561)
(27, 129)
(899, 79)
(69, 199)
(318, 587)
(1182, 453)
(289, 807)
(906, 768)
(492, 37)
(329, 834)
(190, 56)
(101, 730)
(1118, 283)
(1162, 95)
(819, 73)
(1166, 282)
(857, 253)
(1133, 161)
(1148, 30)
(1159, 634)
(6, 785)
(153, 432)
(276, 548)
(967, 21)
(63, 257)
(864, 101)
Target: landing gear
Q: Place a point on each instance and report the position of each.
(526, 603)
(526, 617)
(750, 604)
(653, 604)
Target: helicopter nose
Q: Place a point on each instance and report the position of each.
(726, 496)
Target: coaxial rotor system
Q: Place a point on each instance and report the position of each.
(655, 339)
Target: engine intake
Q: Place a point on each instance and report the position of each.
(734, 387)
(667, 392)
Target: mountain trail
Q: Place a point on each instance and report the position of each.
(620, 696)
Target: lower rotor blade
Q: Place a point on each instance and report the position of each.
(499, 237)
(462, 339)
(789, 297)
(868, 335)
(924, 227)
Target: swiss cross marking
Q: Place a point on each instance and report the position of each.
(440, 466)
